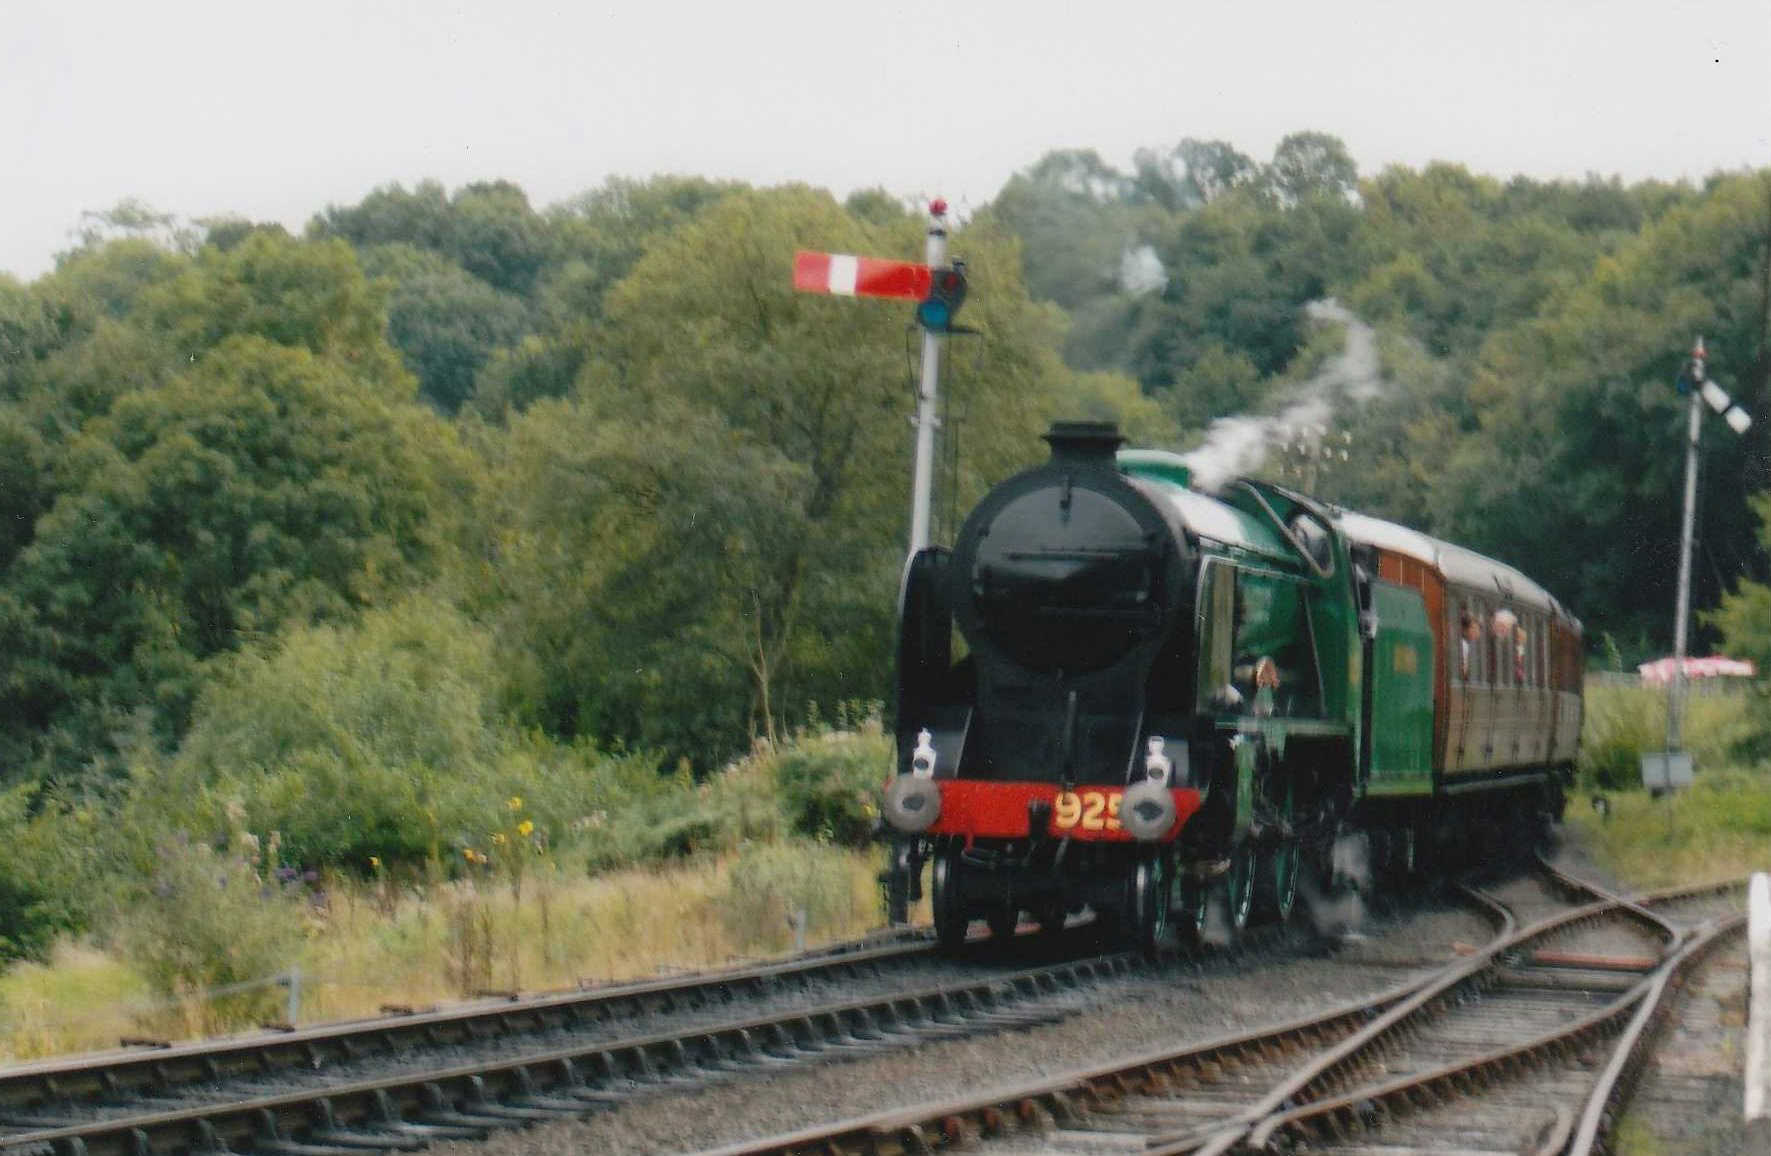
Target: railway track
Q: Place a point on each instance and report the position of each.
(1508, 1050)
(466, 1072)
(258, 1095)
(160, 1068)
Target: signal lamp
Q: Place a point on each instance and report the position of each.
(946, 294)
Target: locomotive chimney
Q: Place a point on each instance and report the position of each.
(1084, 442)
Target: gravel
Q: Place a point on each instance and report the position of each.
(1690, 1098)
(1186, 1003)
(1688, 1101)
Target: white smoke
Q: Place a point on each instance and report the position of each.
(1141, 271)
(1238, 445)
(1339, 912)
(1354, 371)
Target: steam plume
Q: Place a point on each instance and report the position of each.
(1141, 271)
(1238, 445)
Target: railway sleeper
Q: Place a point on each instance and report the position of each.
(387, 1118)
(439, 1109)
(330, 1131)
(269, 1138)
(529, 1097)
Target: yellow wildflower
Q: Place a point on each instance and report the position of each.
(515, 802)
(498, 838)
(374, 862)
(525, 828)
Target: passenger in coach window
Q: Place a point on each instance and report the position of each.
(1470, 632)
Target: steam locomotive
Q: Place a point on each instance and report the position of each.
(1121, 692)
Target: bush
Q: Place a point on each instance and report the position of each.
(41, 876)
(829, 783)
(206, 920)
(733, 807)
(379, 741)
(771, 883)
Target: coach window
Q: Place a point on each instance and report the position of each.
(1469, 643)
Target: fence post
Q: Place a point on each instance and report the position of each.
(1758, 1016)
(294, 995)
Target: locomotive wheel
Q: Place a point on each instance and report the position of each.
(1003, 921)
(1050, 916)
(1276, 885)
(1193, 910)
(1152, 888)
(1236, 887)
(948, 902)
(898, 884)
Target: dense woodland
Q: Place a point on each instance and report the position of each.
(351, 534)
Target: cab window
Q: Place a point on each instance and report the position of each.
(1273, 663)
(1217, 618)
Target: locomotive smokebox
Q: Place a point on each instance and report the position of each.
(1091, 442)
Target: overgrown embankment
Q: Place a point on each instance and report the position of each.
(527, 893)
(1720, 827)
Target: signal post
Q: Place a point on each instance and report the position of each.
(1669, 769)
(922, 482)
(939, 290)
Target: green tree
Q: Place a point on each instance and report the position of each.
(1575, 469)
(1743, 618)
(306, 295)
(1312, 164)
(265, 486)
(446, 323)
(717, 518)
(1073, 214)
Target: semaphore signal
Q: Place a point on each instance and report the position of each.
(847, 275)
(939, 290)
(1672, 767)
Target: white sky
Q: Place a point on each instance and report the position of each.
(272, 111)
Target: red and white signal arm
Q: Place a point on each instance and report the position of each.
(847, 275)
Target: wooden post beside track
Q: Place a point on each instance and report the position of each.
(1758, 1019)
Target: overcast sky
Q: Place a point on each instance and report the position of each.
(273, 110)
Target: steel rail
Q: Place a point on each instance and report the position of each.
(576, 1079)
(1066, 1097)
(1615, 1084)
(1367, 1106)
(921, 1129)
(1338, 1066)
(28, 1087)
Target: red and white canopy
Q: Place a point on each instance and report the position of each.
(1661, 670)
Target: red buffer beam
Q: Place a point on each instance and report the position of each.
(847, 275)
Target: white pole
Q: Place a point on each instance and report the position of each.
(922, 488)
(1758, 1014)
(1675, 693)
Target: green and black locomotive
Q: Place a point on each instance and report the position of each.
(1121, 692)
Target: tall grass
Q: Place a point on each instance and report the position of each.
(380, 942)
(1624, 722)
(1720, 828)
